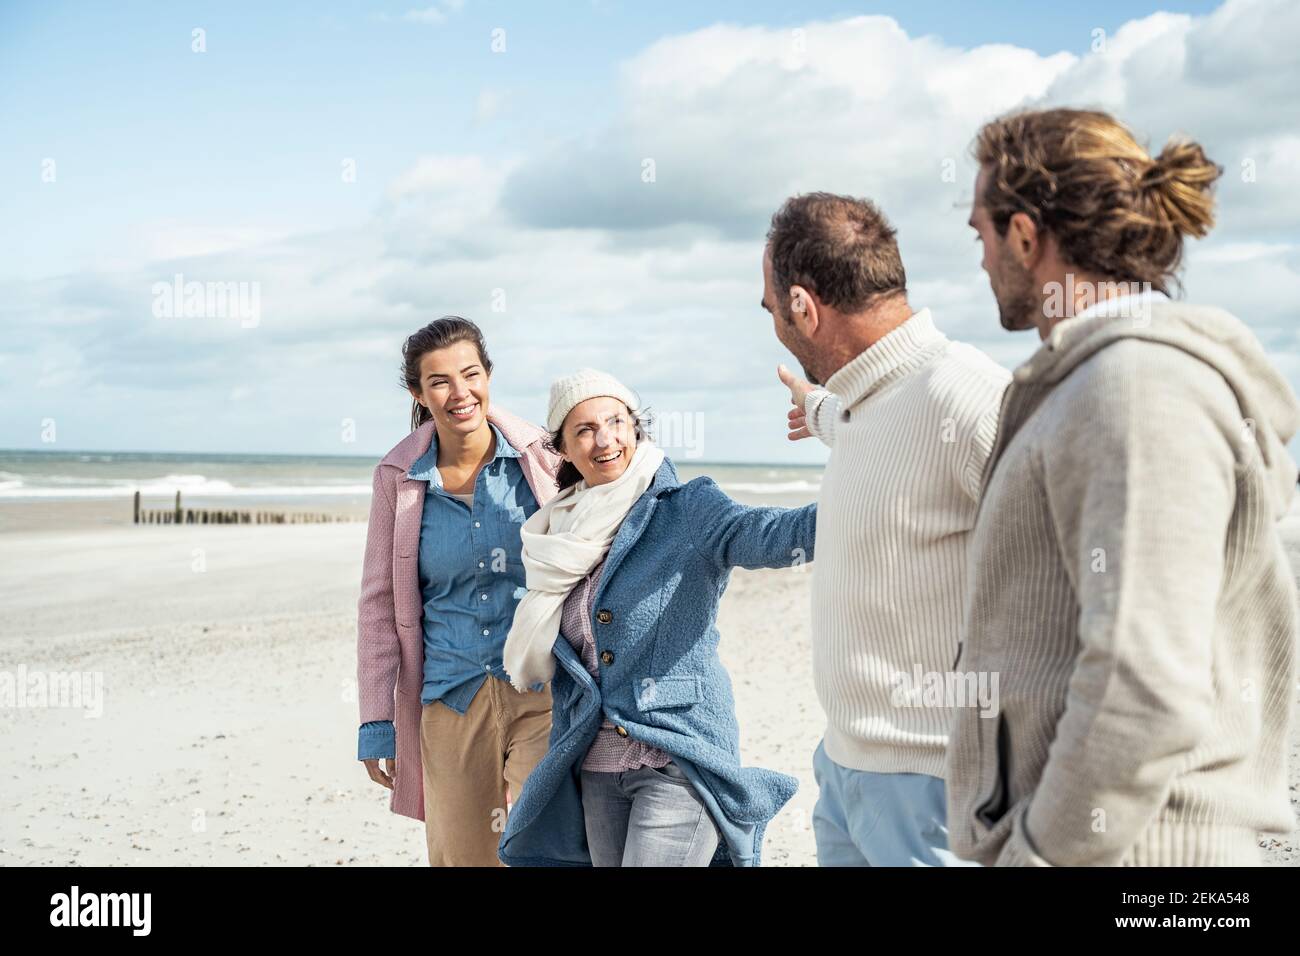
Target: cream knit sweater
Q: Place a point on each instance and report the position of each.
(910, 422)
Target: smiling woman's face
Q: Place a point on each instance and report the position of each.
(599, 439)
(454, 387)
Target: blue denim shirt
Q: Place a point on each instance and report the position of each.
(471, 578)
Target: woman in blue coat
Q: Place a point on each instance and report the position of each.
(625, 568)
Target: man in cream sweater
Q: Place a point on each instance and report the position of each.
(911, 418)
(1127, 578)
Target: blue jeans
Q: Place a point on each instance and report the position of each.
(879, 819)
(646, 817)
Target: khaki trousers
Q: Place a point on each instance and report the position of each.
(468, 763)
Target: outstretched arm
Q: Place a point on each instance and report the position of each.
(734, 535)
(814, 411)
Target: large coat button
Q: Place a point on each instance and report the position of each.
(604, 616)
(606, 657)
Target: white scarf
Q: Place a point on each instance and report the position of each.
(562, 542)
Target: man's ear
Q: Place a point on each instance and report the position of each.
(1024, 240)
(803, 309)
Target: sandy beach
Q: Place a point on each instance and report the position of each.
(228, 725)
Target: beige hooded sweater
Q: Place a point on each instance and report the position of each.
(1128, 585)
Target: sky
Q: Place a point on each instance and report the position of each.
(591, 182)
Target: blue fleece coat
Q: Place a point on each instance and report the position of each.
(655, 612)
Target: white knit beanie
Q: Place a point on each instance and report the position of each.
(581, 385)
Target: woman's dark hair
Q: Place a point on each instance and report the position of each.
(568, 473)
(438, 334)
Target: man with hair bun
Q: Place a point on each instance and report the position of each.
(1127, 582)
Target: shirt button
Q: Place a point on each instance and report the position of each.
(485, 632)
(606, 657)
(476, 524)
(604, 616)
(488, 668)
(482, 597)
(480, 564)
(621, 731)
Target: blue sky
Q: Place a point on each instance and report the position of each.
(142, 128)
(515, 170)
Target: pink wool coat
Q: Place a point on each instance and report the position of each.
(390, 631)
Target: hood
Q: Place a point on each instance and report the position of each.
(1212, 335)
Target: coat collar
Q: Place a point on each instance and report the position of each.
(665, 480)
(638, 516)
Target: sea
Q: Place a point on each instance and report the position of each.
(324, 481)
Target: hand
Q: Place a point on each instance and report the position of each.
(797, 421)
(379, 776)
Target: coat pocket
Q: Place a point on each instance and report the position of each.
(993, 800)
(659, 693)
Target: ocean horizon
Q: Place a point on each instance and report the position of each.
(47, 475)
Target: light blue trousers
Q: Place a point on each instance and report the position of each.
(646, 817)
(879, 819)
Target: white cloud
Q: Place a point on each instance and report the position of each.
(431, 16)
(734, 122)
(183, 240)
(659, 281)
(489, 105)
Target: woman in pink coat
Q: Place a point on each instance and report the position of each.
(441, 579)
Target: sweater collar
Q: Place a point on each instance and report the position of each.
(902, 350)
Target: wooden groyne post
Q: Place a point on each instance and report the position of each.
(177, 515)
